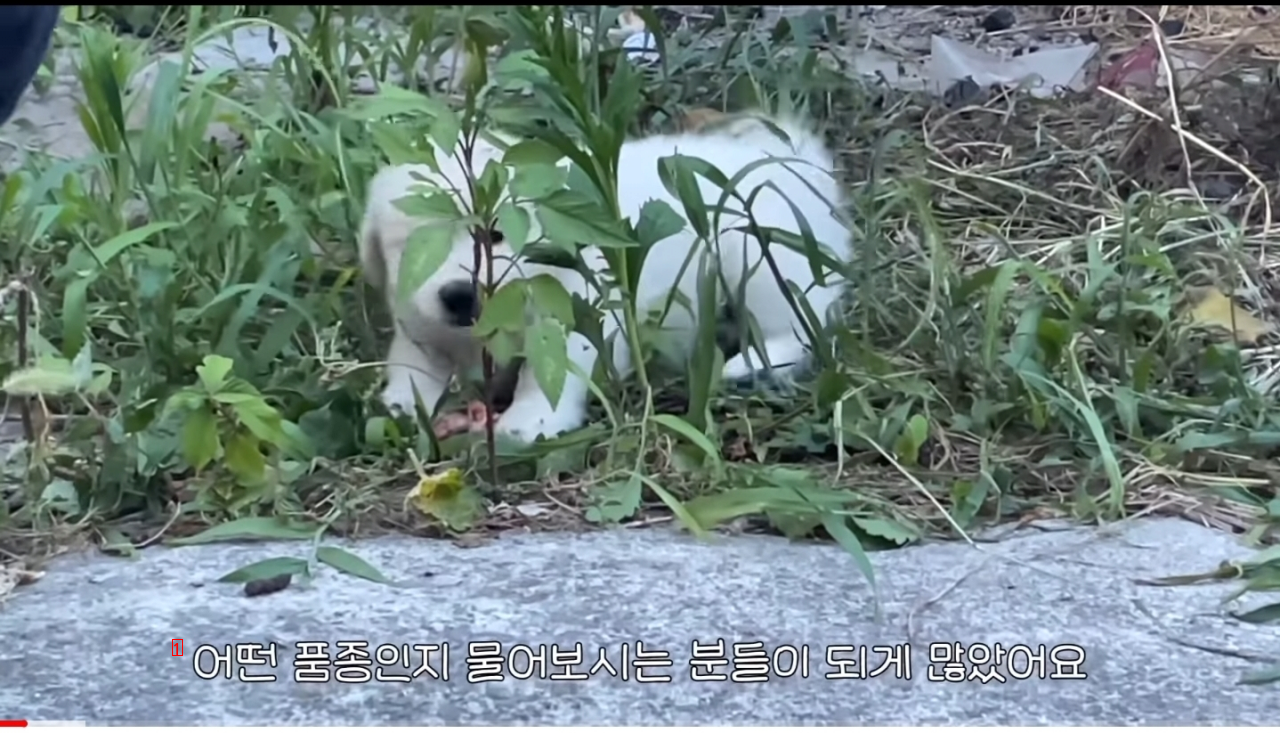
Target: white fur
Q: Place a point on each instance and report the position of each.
(426, 349)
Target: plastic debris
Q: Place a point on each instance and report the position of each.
(642, 47)
(1043, 73)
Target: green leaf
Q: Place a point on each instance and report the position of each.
(657, 222)
(345, 562)
(244, 458)
(615, 501)
(75, 315)
(489, 186)
(503, 346)
(886, 529)
(252, 528)
(530, 154)
(378, 432)
(535, 180)
(182, 400)
(503, 311)
(714, 509)
(235, 398)
(200, 441)
(213, 372)
(1268, 614)
(682, 427)
(549, 298)
(1262, 676)
(54, 378)
(445, 129)
(111, 248)
(1002, 284)
(264, 569)
(82, 365)
(61, 495)
(114, 542)
(547, 351)
(296, 442)
(395, 143)
(262, 420)
(427, 204)
(840, 532)
(569, 219)
(513, 222)
(393, 101)
(912, 438)
(676, 174)
(457, 504)
(427, 249)
(706, 361)
(677, 508)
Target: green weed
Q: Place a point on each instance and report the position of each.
(1017, 338)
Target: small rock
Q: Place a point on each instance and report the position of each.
(267, 585)
(1217, 188)
(961, 93)
(999, 20)
(531, 510)
(1172, 28)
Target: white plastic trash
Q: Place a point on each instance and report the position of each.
(641, 46)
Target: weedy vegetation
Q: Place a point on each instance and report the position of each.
(1037, 325)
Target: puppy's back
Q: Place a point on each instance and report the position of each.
(745, 144)
(803, 141)
(386, 228)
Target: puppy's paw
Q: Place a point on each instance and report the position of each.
(764, 382)
(525, 422)
(737, 370)
(781, 379)
(788, 359)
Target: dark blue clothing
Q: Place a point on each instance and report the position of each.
(25, 31)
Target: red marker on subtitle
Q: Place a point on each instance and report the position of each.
(13, 724)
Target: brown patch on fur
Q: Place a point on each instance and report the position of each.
(699, 117)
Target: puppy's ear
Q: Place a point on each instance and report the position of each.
(373, 262)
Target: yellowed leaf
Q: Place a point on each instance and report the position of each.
(437, 487)
(448, 498)
(1215, 309)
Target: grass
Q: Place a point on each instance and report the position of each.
(1037, 324)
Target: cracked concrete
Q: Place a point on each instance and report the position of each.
(97, 634)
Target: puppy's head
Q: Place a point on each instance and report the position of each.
(443, 308)
(442, 312)
(451, 296)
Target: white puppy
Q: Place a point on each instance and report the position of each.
(433, 338)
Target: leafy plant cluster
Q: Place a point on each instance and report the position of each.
(227, 344)
(191, 327)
